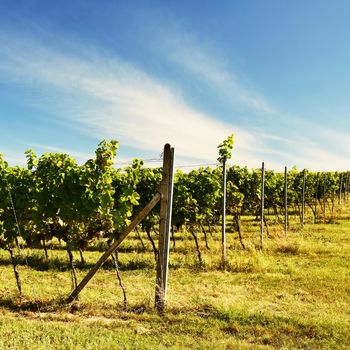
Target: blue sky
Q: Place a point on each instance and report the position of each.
(274, 72)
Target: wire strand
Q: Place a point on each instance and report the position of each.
(150, 160)
(21, 248)
(197, 165)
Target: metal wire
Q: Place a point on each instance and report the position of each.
(150, 160)
(21, 248)
(197, 165)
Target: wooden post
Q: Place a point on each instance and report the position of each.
(166, 190)
(316, 196)
(340, 188)
(303, 200)
(324, 196)
(138, 218)
(223, 223)
(262, 205)
(346, 187)
(285, 201)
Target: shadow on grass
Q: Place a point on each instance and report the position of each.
(132, 246)
(39, 263)
(20, 304)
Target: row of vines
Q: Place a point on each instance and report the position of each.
(80, 205)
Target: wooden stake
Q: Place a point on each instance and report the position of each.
(262, 205)
(285, 201)
(340, 188)
(15, 269)
(316, 197)
(324, 196)
(346, 187)
(166, 190)
(303, 200)
(138, 218)
(223, 223)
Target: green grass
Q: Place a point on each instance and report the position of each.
(294, 295)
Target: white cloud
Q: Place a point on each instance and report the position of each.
(14, 158)
(311, 156)
(120, 101)
(201, 61)
(80, 157)
(109, 98)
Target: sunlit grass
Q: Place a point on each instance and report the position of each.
(294, 294)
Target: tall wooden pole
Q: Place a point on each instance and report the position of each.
(169, 216)
(262, 205)
(285, 201)
(346, 188)
(316, 196)
(340, 189)
(324, 196)
(303, 200)
(223, 223)
(166, 191)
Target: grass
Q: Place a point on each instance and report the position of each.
(293, 295)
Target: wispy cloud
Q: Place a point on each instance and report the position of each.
(13, 158)
(118, 100)
(318, 159)
(182, 48)
(107, 97)
(79, 156)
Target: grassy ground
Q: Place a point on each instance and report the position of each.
(294, 295)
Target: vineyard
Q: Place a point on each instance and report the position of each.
(284, 229)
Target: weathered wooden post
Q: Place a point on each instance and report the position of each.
(346, 188)
(316, 196)
(165, 196)
(285, 201)
(136, 221)
(324, 195)
(225, 149)
(166, 191)
(340, 189)
(303, 200)
(262, 205)
(223, 222)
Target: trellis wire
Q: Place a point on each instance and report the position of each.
(21, 248)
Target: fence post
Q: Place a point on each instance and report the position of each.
(303, 200)
(346, 187)
(223, 223)
(316, 196)
(166, 190)
(285, 201)
(340, 189)
(262, 205)
(324, 195)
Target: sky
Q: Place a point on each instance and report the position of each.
(275, 73)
